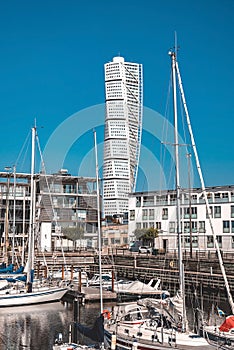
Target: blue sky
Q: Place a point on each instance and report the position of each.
(51, 68)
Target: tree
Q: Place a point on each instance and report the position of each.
(146, 235)
(73, 233)
(139, 233)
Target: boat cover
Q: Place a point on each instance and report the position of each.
(95, 333)
(228, 324)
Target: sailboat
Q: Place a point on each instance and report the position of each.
(19, 293)
(152, 324)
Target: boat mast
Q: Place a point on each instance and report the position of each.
(99, 224)
(230, 299)
(178, 216)
(31, 233)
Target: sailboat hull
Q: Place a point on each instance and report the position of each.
(151, 342)
(42, 296)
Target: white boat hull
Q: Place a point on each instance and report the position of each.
(41, 296)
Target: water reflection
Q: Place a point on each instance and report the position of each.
(33, 327)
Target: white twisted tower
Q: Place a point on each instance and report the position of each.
(123, 128)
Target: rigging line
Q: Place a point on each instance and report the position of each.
(22, 148)
(50, 196)
(165, 132)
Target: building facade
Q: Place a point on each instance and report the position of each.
(64, 204)
(158, 210)
(123, 128)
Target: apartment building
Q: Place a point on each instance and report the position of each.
(157, 209)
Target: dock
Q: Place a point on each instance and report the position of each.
(89, 294)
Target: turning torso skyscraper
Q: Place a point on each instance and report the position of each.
(123, 128)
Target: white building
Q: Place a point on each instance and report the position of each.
(123, 127)
(158, 210)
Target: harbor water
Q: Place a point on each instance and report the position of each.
(36, 327)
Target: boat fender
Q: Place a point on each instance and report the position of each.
(113, 341)
(106, 314)
(171, 263)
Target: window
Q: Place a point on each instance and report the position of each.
(232, 226)
(151, 224)
(132, 214)
(217, 211)
(193, 212)
(232, 241)
(194, 226)
(165, 213)
(138, 225)
(148, 201)
(158, 225)
(210, 212)
(210, 242)
(186, 241)
(144, 214)
(232, 211)
(138, 202)
(186, 226)
(172, 199)
(226, 226)
(194, 241)
(219, 240)
(202, 226)
(172, 226)
(145, 225)
(151, 214)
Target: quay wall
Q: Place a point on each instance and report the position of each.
(200, 270)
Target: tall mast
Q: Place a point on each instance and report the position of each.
(230, 299)
(177, 184)
(99, 224)
(31, 233)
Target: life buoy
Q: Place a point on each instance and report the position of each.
(171, 263)
(106, 314)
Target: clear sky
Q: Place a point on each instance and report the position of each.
(51, 68)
